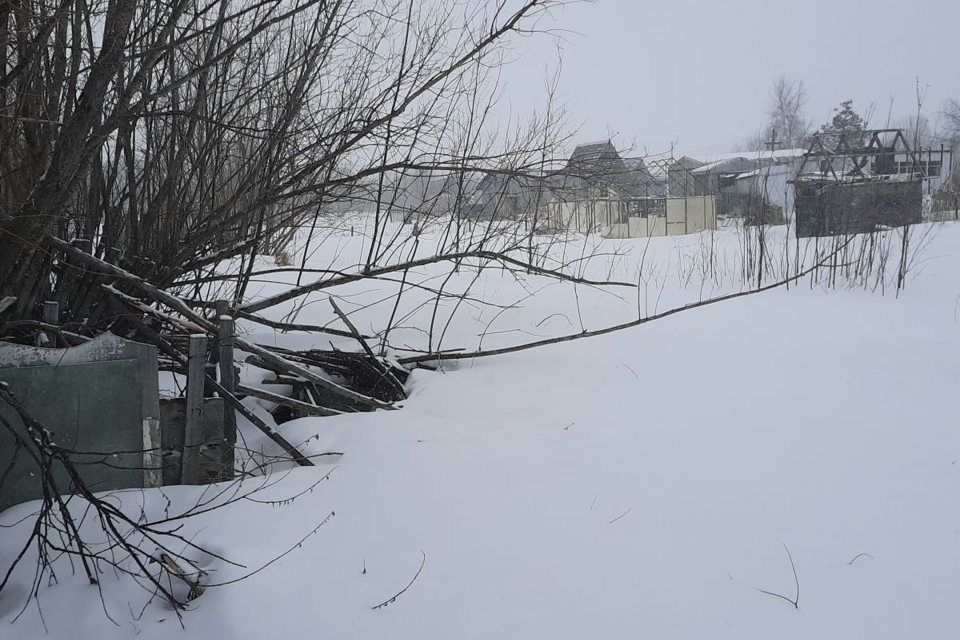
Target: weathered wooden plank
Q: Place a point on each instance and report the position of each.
(227, 376)
(51, 312)
(193, 431)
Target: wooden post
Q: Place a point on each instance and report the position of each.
(193, 431)
(51, 312)
(227, 379)
(50, 315)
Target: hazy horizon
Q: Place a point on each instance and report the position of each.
(700, 76)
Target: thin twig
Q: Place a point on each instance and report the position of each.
(796, 599)
(619, 516)
(860, 555)
(402, 591)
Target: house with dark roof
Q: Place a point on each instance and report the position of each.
(589, 191)
(598, 190)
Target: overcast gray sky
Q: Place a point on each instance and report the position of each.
(699, 71)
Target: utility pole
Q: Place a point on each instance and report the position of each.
(773, 143)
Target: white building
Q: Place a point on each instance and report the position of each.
(745, 178)
(934, 165)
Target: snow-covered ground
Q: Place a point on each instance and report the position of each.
(642, 484)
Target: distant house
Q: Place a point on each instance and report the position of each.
(679, 179)
(589, 191)
(629, 197)
(934, 165)
(595, 158)
(647, 184)
(597, 169)
(746, 181)
(598, 190)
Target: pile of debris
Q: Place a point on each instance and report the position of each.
(197, 338)
(81, 412)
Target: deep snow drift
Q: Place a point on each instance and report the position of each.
(639, 484)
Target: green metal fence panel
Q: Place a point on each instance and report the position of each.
(105, 410)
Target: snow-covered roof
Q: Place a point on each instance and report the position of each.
(852, 176)
(594, 154)
(738, 159)
(686, 162)
(756, 155)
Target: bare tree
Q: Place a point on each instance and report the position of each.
(170, 138)
(950, 118)
(788, 100)
(948, 199)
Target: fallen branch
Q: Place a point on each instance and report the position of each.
(284, 381)
(860, 555)
(67, 338)
(796, 599)
(289, 326)
(353, 329)
(619, 516)
(619, 327)
(276, 398)
(173, 568)
(194, 322)
(111, 518)
(132, 541)
(384, 371)
(296, 292)
(402, 591)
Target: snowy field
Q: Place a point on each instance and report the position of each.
(641, 484)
